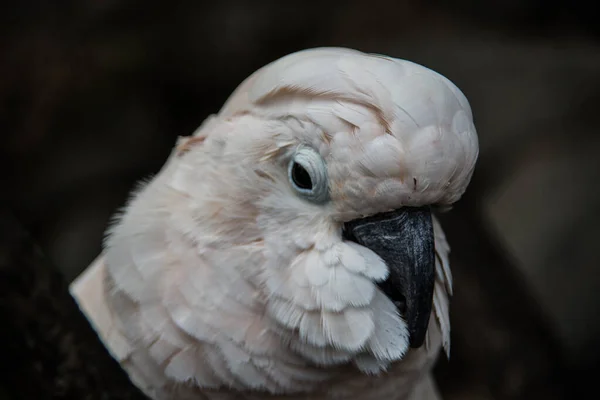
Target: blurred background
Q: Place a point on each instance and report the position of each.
(93, 95)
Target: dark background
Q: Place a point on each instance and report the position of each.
(93, 95)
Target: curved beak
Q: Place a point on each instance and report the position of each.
(404, 240)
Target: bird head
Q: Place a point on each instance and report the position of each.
(305, 204)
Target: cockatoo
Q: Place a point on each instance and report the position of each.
(287, 248)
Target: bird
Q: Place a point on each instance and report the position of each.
(289, 248)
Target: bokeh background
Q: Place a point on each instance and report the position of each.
(93, 95)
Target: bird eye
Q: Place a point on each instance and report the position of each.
(308, 175)
(301, 177)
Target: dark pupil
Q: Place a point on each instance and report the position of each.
(301, 177)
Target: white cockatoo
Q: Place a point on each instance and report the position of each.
(287, 248)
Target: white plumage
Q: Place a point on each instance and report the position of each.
(219, 281)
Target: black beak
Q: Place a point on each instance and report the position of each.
(404, 240)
